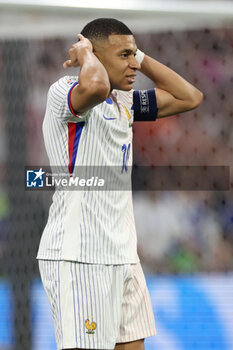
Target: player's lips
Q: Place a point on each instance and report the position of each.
(131, 78)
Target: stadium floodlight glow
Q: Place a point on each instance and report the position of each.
(102, 4)
(43, 18)
(181, 6)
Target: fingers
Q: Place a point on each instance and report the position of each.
(67, 64)
(70, 63)
(73, 52)
(81, 37)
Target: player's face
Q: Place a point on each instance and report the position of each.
(117, 54)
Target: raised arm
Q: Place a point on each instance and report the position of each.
(173, 93)
(94, 85)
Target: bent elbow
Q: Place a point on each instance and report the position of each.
(100, 90)
(103, 90)
(197, 99)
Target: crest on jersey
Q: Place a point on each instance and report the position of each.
(91, 327)
(69, 82)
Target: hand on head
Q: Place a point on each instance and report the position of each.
(74, 51)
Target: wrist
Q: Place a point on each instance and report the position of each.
(84, 55)
(139, 56)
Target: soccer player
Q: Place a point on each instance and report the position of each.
(88, 256)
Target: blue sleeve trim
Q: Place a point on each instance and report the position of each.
(145, 105)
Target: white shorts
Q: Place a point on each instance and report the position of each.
(97, 306)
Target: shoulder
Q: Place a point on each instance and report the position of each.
(63, 84)
(59, 91)
(59, 99)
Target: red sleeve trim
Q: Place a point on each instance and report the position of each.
(69, 100)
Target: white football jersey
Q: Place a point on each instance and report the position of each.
(89, 226)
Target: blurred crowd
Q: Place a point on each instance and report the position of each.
(178, 231)
(184, 232)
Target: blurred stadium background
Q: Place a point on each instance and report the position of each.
(184, 237)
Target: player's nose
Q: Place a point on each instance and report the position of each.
(134, 63)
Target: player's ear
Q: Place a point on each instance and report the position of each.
(98, 49)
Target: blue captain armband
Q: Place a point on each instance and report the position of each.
(144, 105)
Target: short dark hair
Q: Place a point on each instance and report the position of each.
(101, 28)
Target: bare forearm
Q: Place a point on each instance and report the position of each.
(167, 80)
(94, 85)
(92, 72)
